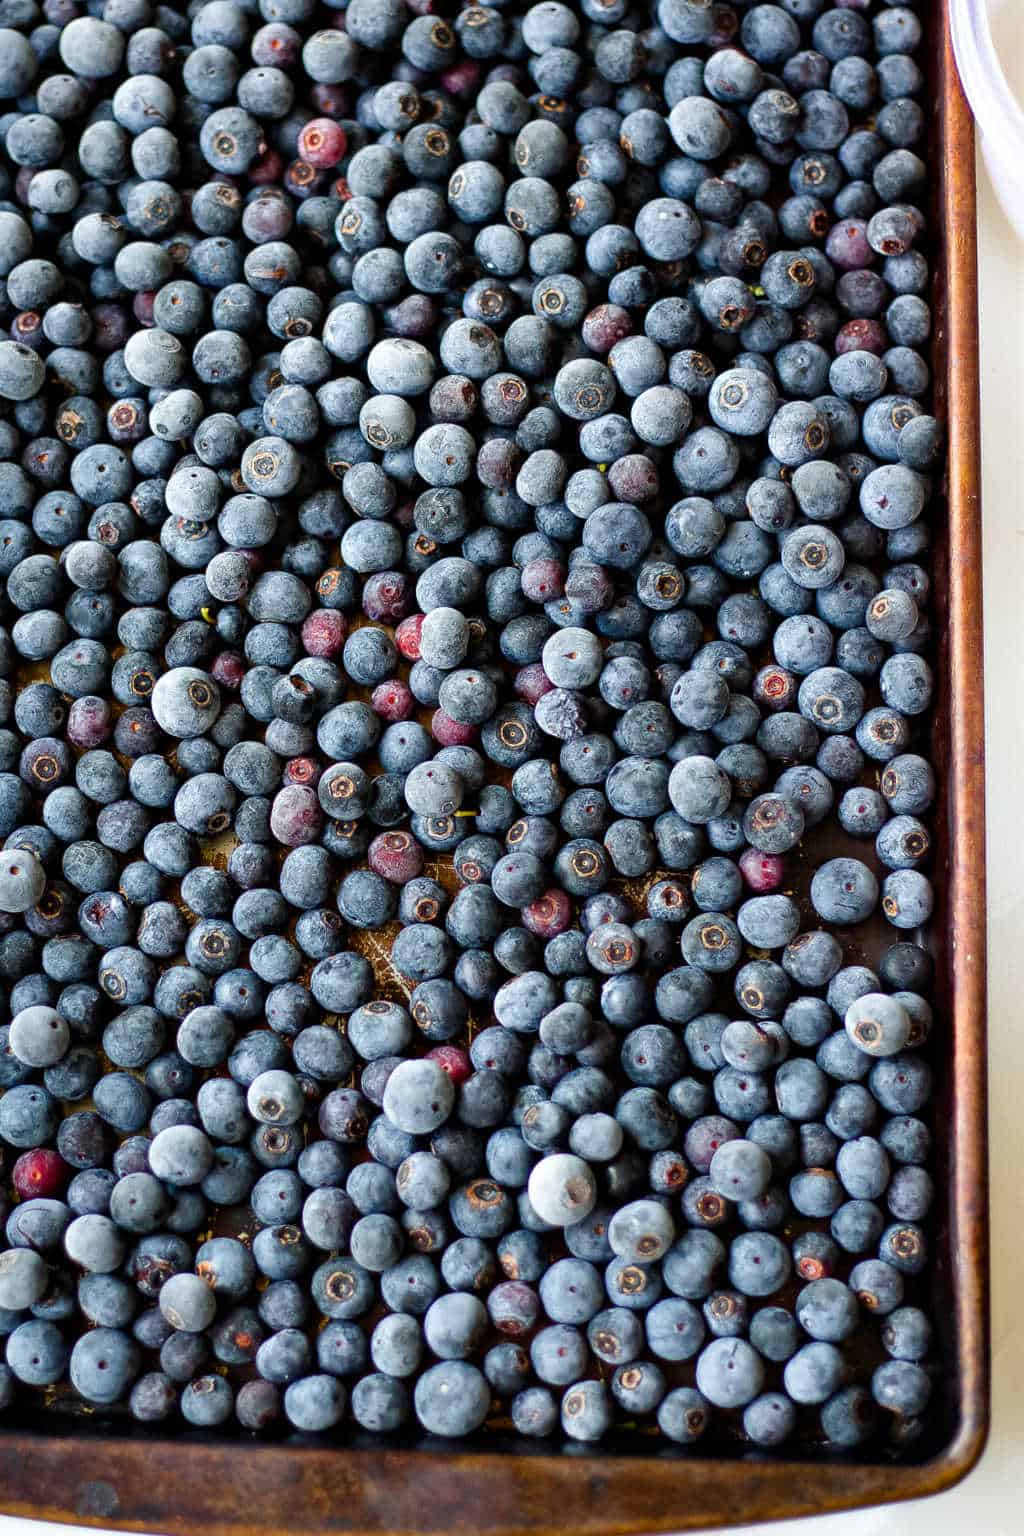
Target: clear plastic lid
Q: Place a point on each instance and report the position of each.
(996, 109)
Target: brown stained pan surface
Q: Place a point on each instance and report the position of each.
(90, 1475)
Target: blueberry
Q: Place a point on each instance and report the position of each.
(451, 1398)
(396, 1345)
(907, 1334)
(729, 1372)
(571, 603)
(814, 1373)
(23, 1278)
(187, 1303)
(181, 1154)
(827, 1309)
(103, 1365)
(39, 1036)
(207, 1401)
(562, 1189)
(774, 1333)
(22, 880)
(418, 1097)
(37, 1353)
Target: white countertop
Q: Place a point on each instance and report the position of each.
(988, 1503)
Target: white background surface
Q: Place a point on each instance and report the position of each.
(989, 1503)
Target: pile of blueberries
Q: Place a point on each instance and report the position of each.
(473, 464)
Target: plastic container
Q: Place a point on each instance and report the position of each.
(996, 109)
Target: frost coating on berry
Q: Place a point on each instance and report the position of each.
(419, 1096)
(562, 1189)
(878, 1024)
(22, 880)
(465, 507)
(39, 1036)
(185, 702)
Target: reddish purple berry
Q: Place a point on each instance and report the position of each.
(407, 636)
(276, 45)
(396, 856)
(302, 770)
(606, 325)
(40, 1174)
(393, 701)
(462, 79)
(267, 170)
(633, 478)
(387, 597)
(89, 722)
(862, 335)
(532, 682)
(142, 308)
(775, 688)
(847, 245)
(499, 459)
(323, 632)
(413, 317)
(228, 669)
(295, 816)
(763, 872)
(331, 100)
(453, 1060)
(514, 1307)
(543, 580)
(322, 142)
(549, 915)
(451, 733)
